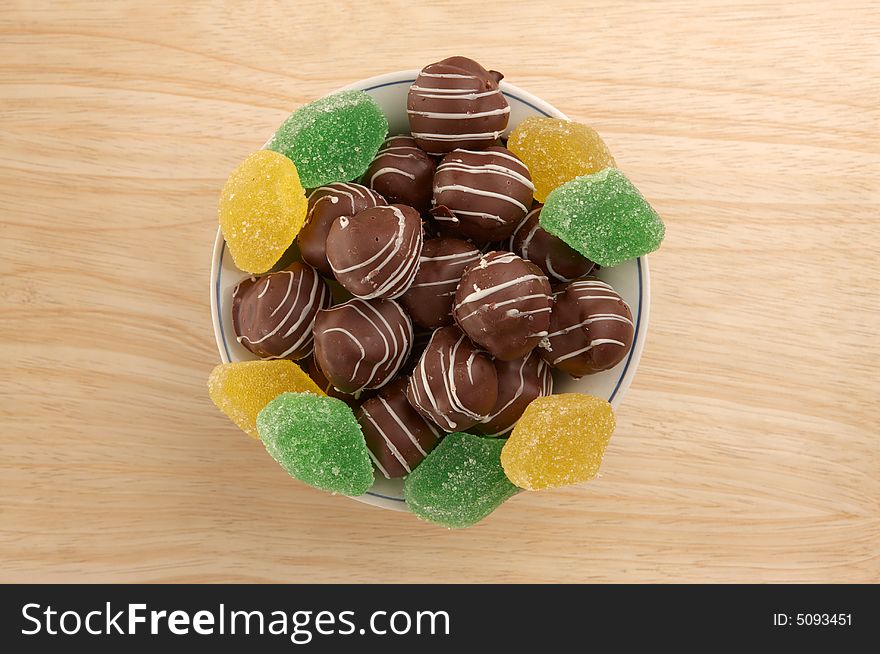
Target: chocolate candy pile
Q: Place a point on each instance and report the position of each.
(432, 296)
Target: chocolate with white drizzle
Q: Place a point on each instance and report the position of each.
(326, 204)
(272, 315)
(429, 299)
(398, 437)
(402, 173)
(454, 384)
(362, 344)
(482, 195)
(311, 368)
(591, 328)
(503, 304)
(375, 254)
(519, 382)
(456, 103)
(551, 254)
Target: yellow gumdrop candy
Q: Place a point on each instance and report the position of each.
(262, 208)
(558, 441)
(241, 390)
(556, 151)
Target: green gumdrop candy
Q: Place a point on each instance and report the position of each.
(333, 139)
(460, 482)
(604, 217)
(318, 441)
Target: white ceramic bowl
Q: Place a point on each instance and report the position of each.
(630, 279)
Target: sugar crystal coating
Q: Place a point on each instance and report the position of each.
(604, 217)
(460, 482)
(262, 208)
(317, 440)
(333, 139)
(558, 441)
(241, 390)
(557, 151)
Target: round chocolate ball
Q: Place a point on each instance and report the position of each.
(375, 254)
(402, 173)
(456, 103)
(519, 382)
(326, 204)
(503, 304)
(429, 298)
(482, 195)
(272, 315)
(591, 328)
(552, 255)
(454, 385)
(310, 366)
(362, 344)
(398, 437)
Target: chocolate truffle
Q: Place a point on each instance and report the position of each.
(310, 366)
(503, 304)
(362, 344)
(454, 385)
(456, 103)
(429, 299)
(402, 173)
(519, 382)
(591, 328)
(326, 204)
(272, 315)
(552, 255)
(482, 195)
(375, 254)
(397, 436)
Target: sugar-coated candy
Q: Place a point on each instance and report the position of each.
(429, 298)
(317, 440)
(397, 435)
(262, 208)
(556, 151)
(273, 315)
(558, 441)
(241, 390)
(402, 173)
(519, 382)
(454, 385)
(362, 344)
(604, 217)
(556, 259)
(460, 482)
(591, 328)
(333, 139)
(456, 103)
(482, 195)
(375, 254)
(503, 304)
(326, 204)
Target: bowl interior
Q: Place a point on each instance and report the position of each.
(630, 279)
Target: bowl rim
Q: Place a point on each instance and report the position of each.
(628, 372)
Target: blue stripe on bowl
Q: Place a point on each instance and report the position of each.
(638, 264)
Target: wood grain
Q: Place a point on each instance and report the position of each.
(747, 448)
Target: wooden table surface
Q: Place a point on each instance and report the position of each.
(747, 448)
